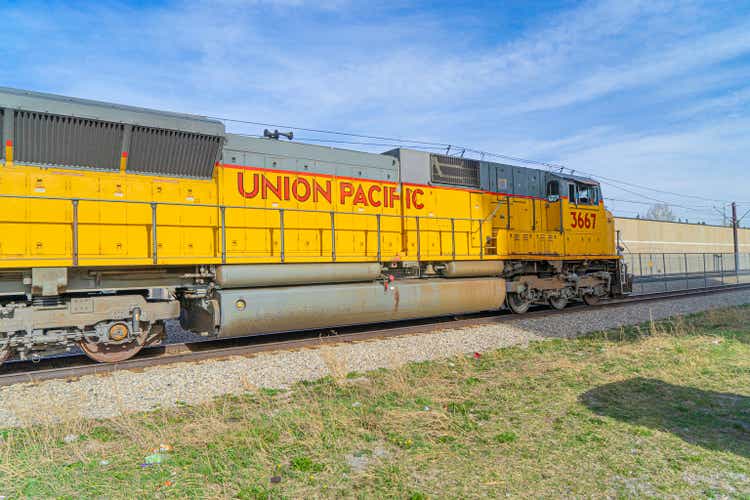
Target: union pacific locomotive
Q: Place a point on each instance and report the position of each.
(116, 219)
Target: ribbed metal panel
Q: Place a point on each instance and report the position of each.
(107, 112)
(173, 153)
(455, 171)
(46, 139)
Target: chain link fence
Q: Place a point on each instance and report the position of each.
(656, 272)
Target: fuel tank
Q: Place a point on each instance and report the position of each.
(466, 269)
(240, 276)
(265, 310)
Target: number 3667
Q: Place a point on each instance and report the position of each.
(582, 220)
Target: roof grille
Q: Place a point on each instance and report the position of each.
(172, 153)
(454, 171)
(47, 139)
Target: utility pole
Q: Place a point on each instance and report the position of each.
(735, 224)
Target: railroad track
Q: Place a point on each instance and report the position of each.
(75, 366)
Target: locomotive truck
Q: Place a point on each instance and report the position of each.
(116, 219)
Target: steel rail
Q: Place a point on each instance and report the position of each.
(79, 365)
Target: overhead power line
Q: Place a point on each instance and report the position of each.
(681, 195)
(432, 145)
(701, 209)
(634, 202)
(358, 143)
(398, 141)
(330, 132)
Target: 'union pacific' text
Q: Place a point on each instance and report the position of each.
(302, 189)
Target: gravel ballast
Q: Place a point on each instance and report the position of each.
(123, 392)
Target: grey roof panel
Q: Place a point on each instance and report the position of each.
(578, 178)
(284, 155)
(116, 113)
(414, 165)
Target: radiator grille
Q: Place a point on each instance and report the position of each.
(46, 139)
(173, 153)
(455, 171)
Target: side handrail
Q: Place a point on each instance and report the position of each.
(154, 224)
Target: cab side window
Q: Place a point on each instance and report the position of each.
(584, 194)
(588, 194)
(553, 189)
(572, 198)
(597, 197)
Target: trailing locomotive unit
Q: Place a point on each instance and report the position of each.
(115, 219)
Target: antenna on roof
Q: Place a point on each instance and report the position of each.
(276, 134)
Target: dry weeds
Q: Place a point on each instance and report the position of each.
(628, 412)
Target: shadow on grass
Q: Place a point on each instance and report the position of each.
(714, 420)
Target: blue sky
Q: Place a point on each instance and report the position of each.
(653, 93)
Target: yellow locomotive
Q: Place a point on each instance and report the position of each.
(115, 219)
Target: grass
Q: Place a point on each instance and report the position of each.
(657, 410)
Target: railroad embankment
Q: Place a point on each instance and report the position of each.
(657, 409)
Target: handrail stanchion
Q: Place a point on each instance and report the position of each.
(281, 236)
(481, 240)
(507, 223)
(687, 276)
(721, 262)
(664, 271)
(419, 242)
(155, 244)
(333, 236)
(223, 211)
(75, 232)
(377, 217)
(453, 238)
(705, 273)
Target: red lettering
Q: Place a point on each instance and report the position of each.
(394, 197)
(414, 201)
(360, 198)
(346, 190)
(325, 193)
(374, 202)
(268, 186)
(299, 181)
(286, 188)
(241, 186)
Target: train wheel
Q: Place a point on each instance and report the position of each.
(558, 303)
(517, 304)
(112, 353)
(590, 299)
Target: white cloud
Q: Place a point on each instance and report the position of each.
(733, 104)
(687, 56)
(708, 161)
(603, 83)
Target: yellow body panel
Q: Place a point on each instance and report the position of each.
(373, 220)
